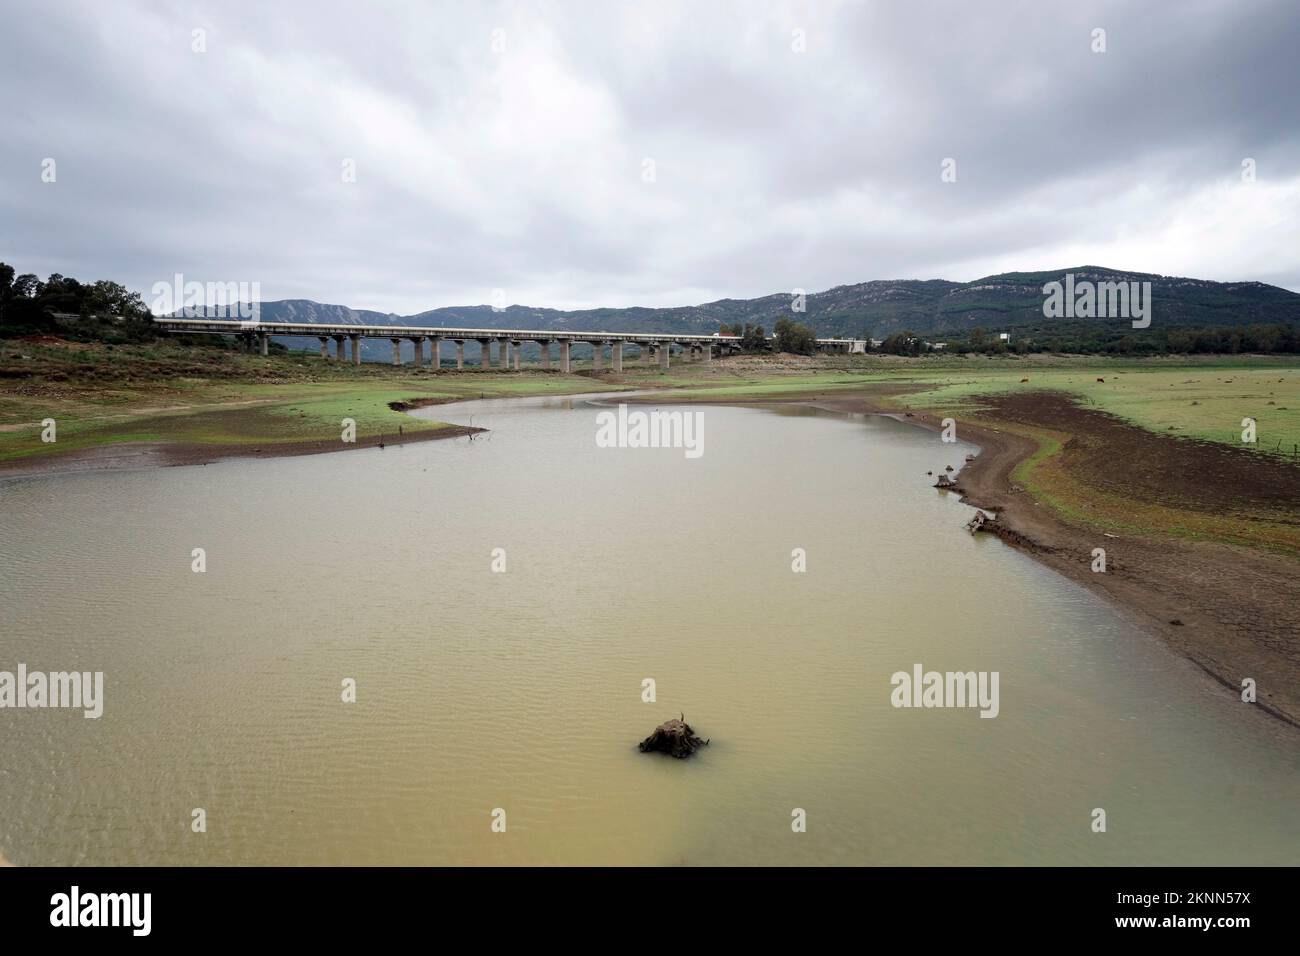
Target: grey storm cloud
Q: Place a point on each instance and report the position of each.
(510, 146)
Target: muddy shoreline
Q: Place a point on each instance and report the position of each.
(1232, 611)
(132, 455)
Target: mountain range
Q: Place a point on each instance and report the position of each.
(875, 308)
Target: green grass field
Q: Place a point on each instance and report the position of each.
(1201, 402)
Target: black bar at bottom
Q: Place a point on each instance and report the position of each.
(332, 905)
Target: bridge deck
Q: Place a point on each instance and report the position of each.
(408, 331)
(230, 326)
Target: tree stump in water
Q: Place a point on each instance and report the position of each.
(673, 737)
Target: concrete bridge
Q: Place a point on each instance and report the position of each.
(652, 346)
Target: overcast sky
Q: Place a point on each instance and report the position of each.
(655, 153)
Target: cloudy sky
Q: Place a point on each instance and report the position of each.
(578, 154)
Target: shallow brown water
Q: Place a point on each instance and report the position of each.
(522, 690)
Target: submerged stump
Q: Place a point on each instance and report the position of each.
(673, 737)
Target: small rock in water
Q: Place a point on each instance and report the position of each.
(673, 737)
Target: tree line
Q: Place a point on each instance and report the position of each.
(103, 310)
(790, 336)
(1070, 338)
(1094, 338)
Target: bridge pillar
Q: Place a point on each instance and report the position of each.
(356, 349)
(460, 354)
(706, 352)
(517, 348)
(485, 352)
(397, 351)
(566, 364)
(338, 347)
(417, 350)
(264, 343)
(503, 354)
(647, 353)
(664, 349)
(435, 358)
(597, 355)
(616, 356)
(324, 346)
(546, 355)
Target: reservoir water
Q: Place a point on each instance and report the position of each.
(521, 690)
